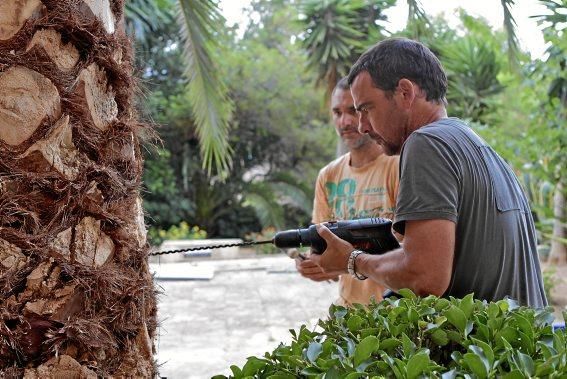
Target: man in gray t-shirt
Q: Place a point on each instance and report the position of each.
(466, 222)
(448, 172)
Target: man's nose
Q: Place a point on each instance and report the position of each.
(346, 120)
(363, 125)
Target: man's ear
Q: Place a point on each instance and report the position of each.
(406, 93)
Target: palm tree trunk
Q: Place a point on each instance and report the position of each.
(76, 295)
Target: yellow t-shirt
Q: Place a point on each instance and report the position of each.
(343, 192)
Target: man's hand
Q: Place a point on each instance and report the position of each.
(310, 270)
(335, 258)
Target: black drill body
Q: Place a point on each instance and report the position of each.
(373, 235)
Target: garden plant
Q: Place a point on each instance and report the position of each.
(412, 337)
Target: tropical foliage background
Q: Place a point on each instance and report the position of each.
(243, 121)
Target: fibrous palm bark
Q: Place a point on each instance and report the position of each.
(76, 296)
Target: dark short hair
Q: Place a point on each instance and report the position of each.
(396, 58)
(341, 85)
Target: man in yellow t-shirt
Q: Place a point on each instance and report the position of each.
(362, 183)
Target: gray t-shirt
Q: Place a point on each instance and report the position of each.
(448, 172)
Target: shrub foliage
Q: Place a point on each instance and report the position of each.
(412, 337)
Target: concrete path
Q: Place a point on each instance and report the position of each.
(246, 309)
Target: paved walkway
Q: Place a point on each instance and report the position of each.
(247, 308)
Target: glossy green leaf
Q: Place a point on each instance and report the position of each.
(253, 365)
(338, 312)
(442, 304)
(524, 325)
(526, 363)
(407, 345)
(526, 343)
(475, 364)
(365, 349)
(483, 332)
(407, 293)
(236, 371)
(509, 334)
(452, 374)
(515, 374)
(282, 375)
(486, 350)
(467, 305)
(457, 356)
(332, 373)
(545, 317)
(512, 304)
(439, 337)
(413, 316)
(493, 310)
(417, 365)
(545, 369)
(328, 364)
(480, 353)
(354, 323)
(454, 336)
(389, 344)
(355, 375)
(313, 351)
(369, 332)
(457, 318)
(351, 345)
(468, 328)
(310, 371)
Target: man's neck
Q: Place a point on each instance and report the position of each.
(426, 115)
(365, 154)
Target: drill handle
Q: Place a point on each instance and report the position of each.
(372, 235)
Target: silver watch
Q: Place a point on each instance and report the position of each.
(351, 262)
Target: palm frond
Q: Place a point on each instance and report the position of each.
(292, 191)
(417, 22)
(472, 69)
(330, 35)
(271, 195)
(510, 28)
(207, 94)
(415, 11)
(336, 32)
(260, 197)
(143, 17)
(555, 24)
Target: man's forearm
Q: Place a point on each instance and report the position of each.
(395, 270)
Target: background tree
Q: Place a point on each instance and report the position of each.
(473, 68)
(555, 135)
(337, 32)
(280, 135)
(76, 299)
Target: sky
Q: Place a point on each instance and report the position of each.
(529, 33)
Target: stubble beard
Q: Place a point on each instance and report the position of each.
(389, 148)
(358, 143)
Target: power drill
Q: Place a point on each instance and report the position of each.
(373, 235)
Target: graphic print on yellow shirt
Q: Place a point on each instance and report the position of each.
(342, 198)
(343, 192)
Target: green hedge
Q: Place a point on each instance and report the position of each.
(414, 337)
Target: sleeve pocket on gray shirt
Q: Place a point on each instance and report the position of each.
(505, 187)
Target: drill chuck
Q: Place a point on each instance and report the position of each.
(373, 235)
